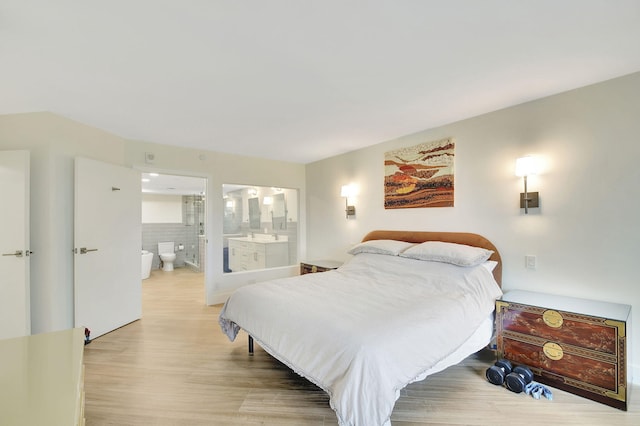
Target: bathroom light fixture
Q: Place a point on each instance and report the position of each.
(267, 201)
(527, 166)
(348, 191)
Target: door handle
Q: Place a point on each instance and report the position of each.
(18, 253)
(84, 250)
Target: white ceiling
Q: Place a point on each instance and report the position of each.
(301, 80)
(154, 183)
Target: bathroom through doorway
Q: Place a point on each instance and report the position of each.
(173, 224)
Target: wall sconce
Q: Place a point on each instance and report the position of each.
(526, 166)
(346, 192)
(267, 201)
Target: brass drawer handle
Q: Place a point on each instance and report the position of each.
(552, 318)
(553, 351)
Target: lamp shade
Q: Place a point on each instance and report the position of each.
(346, 191)
(526, 166)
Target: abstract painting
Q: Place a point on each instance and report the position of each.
(419, 176)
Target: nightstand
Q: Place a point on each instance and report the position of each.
(576, 345)
(314, 266)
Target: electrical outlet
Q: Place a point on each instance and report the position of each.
(530, 261)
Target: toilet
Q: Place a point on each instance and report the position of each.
(166, 251)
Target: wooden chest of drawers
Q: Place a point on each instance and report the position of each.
(318, 266)
(573, 344)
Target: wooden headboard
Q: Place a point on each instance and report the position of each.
(448, 237)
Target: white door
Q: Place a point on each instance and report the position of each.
(15, 312)
(107, 246)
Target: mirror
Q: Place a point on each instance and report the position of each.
(232, 216)
(260, 227)
(279, 212)
(254, 213)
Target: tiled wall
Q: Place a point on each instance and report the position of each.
(152, 233)
(186, 234)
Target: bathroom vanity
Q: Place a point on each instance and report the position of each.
(259, 251)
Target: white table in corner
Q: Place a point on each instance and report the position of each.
(42, 379)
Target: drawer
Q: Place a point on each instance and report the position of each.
(308, 269)
(570, 364)
(257, 248)
(238, 244)
(311, 269)
(578, 330)
(318, 266)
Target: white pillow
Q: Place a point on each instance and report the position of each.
(389, 247)
(490, 265)
(457, 254)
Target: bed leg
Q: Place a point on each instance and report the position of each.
(250, 345)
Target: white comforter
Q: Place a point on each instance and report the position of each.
(366, 330)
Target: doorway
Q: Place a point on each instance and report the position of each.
(174, 211)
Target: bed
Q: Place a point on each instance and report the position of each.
(406, 305)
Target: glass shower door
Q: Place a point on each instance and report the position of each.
(194, 206)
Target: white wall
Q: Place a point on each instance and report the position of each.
(158, 208)
(55, 141)
(586, 235)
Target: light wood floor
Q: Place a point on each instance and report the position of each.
(175, 367)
